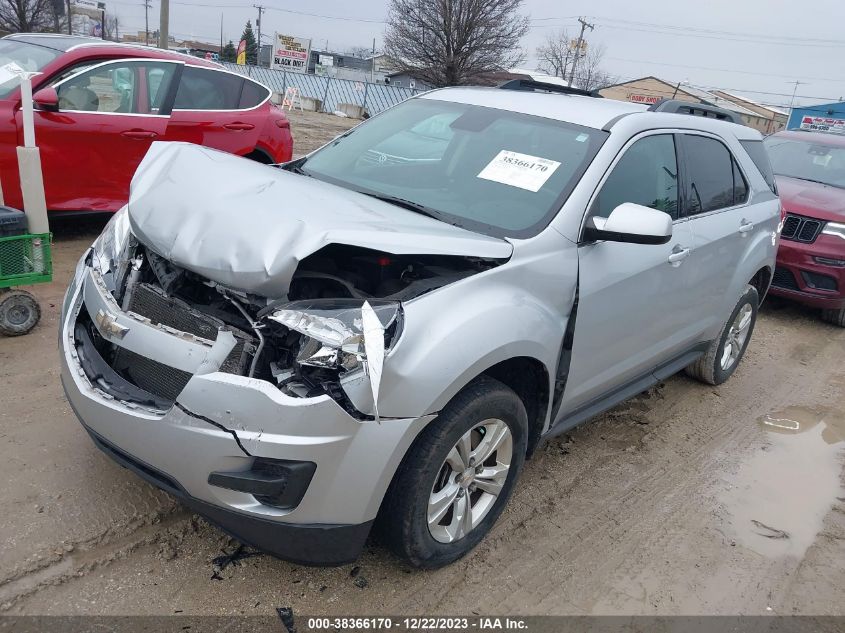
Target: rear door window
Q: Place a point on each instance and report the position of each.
(713, 179)
(207, 89)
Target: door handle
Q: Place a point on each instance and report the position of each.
(678, 255)
(139, 134)
(746, 226)
(239, 127)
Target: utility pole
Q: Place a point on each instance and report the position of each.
(794, 92)
(147, 7)
(69, 19)
(164, 25)
(221, 36)
(258, 26)
(584, 25)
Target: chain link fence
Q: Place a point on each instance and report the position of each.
(329, 91)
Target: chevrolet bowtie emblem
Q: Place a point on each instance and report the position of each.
(108, 325)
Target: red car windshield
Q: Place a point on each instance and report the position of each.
(807, 159)
(29, 57)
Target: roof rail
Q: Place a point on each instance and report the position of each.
(532, 85)
(696, 109)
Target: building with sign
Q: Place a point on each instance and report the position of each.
(825, 117)
(650, 90)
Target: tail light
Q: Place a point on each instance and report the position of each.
(283, 123)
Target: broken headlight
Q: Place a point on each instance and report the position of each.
(110, 248)
(344, 334)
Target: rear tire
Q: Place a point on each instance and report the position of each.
(724, 354)
(837, 317)
(448, 474)
(19, 312)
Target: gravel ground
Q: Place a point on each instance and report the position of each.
(687, 500)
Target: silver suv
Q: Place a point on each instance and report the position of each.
(382, 332)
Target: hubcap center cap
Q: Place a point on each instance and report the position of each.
(466, 478)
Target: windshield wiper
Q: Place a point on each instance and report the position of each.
(818, 182)
(416, 207)
(295, 166)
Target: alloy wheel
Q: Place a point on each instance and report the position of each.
(470, 480)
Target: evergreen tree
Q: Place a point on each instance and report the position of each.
(251, 44)
(229, 52)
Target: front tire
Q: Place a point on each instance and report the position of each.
(723, 355)
(837, 317)
(457, 478)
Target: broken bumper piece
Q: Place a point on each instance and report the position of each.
(211, 448)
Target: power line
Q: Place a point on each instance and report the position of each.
(724, 70)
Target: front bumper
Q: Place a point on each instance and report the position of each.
(222, 423)
(801, 277)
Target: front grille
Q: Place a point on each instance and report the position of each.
(162, 380)
(783, 278)
(797, 228)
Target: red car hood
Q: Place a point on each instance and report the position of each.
(812, 199)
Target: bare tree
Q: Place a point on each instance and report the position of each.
(557, 54)
(589, 73)
(360, 51)
(112, 27)
(451, 42)
(19, 16)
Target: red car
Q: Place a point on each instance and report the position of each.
(810, 173)
(99, 106)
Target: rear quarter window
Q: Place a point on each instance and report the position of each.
(253, 94)
(757, 151)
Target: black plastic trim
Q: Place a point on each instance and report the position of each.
(316, 544)
(592, 234)
(531, 85)
(277, 482)
(628, 390)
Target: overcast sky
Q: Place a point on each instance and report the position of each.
(755, 47)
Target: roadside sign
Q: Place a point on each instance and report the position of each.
(823, 124)
(291, 53)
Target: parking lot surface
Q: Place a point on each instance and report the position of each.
(687, 500)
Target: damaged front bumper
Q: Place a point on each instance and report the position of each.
(298, 477)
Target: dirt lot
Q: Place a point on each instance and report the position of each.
(687, 500)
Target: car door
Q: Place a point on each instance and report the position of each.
(208, 111)
(633, 308)
(108, 117)
(715, 197)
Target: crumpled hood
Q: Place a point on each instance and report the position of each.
(247, 226)
(812, 199)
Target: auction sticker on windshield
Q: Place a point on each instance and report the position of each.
(519, 170)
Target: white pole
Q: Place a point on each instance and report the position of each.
(26, 109)
(29, 165)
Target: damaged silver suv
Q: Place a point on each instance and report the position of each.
(381, 332)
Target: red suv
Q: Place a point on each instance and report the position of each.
(99, 106)
(810, 171)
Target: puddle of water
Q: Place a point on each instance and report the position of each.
(779, 497)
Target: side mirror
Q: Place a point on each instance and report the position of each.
(46, 99)
(632, 223)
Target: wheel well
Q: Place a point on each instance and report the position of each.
(259, 156)
(530, 380)
(761, 280)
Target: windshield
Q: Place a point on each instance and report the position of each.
(807, 159)
(488, 170)
(15, 55)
